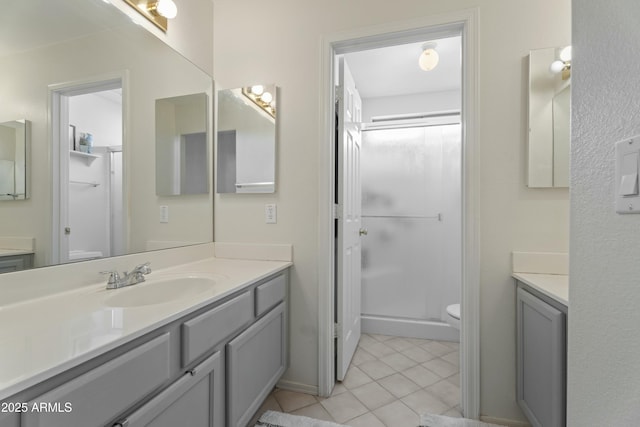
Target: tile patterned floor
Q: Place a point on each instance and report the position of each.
(390, 382)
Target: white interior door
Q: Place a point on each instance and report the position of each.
(349, 116)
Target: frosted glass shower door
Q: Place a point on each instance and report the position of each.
(402, 205)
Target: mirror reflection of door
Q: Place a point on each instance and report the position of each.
(93, 226)
(181, 145)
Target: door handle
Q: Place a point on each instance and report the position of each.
(363, 232)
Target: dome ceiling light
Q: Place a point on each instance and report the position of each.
(429, 57)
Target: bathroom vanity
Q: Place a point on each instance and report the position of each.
(125, 357)
(14, 260)
(542, 309)
(16, 253)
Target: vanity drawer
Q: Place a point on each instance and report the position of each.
(270, 293)
(94, 398)
(204, 332)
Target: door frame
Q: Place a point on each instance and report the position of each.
(463, 22)
(58, 144)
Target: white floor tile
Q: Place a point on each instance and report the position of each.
(397, 414)
(399, 385)
(344, 407)
(422, 401)
(290, 400)
(421, 376)
(355, 378)
(390, 382)
(316, 411)
(441, 367)
(376, 369)
(373, 395)
(366, 420)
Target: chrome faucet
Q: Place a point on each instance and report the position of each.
(117, 280)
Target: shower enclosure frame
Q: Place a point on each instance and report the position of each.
(388, 323)
(463, 23)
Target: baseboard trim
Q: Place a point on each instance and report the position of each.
(299, 387)
(504, 421)
(409, 328)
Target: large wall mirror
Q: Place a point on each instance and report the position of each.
(549, 118)
(88, 80)
(246, 154)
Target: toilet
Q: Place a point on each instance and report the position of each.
(453, 315)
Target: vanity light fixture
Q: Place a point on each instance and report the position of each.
(429, 57)
(262, 97)
(563, 64)
(156, 11)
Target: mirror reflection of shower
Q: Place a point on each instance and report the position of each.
(95, 220)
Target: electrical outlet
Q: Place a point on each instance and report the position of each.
(270, 213)
(164, 214)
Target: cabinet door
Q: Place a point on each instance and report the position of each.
(256, 360)
(98, 396)
(541, 361)
(195, 400)
(8, 264)
(9, 419)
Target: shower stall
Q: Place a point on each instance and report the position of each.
(411, 208)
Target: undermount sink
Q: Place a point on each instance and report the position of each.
(162, 290)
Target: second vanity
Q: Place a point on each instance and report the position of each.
(542, 309)
(125, 357)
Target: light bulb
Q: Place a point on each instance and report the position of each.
(428, 59)
(556, 66)
(167, 8)
(257, 90)
(266, 97)
(565, 54)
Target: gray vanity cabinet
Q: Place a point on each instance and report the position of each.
(256, 359)
(15, 263)
(196, 400)
(9, 419)
(101, 393)
(210, 368)
(541, 363)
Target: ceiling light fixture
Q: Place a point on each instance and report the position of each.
(429, 57)
(156, 11)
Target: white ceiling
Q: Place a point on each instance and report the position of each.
(394, 70)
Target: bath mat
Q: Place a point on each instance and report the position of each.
(429, 420)
(279, 419)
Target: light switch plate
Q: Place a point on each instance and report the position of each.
(270, 213)
(627, 165)
(164, 214)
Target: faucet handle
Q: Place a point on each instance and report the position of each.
(114, 277)
(143, 268)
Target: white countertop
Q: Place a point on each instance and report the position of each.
(43, 337)
(11, 252)
(555, 286)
